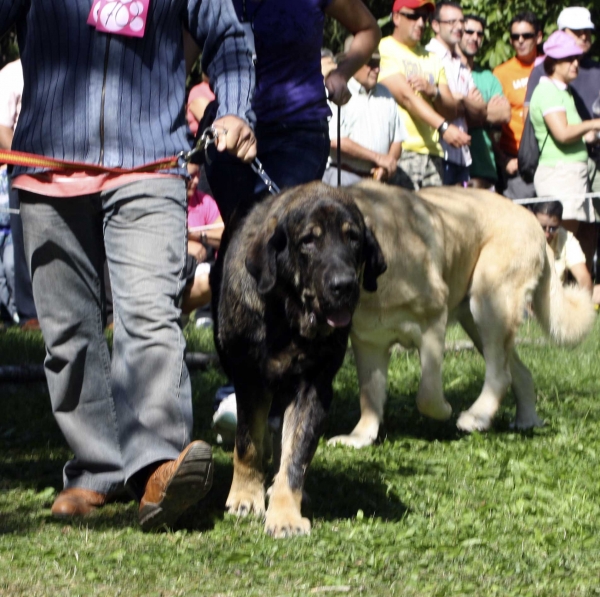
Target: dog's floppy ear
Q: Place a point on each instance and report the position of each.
(375, 263)
(261, 260)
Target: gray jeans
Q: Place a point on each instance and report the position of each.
(117, 416)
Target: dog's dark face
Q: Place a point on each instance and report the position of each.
(312, 254)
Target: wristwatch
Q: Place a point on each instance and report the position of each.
(203, 239)
(443, 128)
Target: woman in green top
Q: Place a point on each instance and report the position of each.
(561, 135)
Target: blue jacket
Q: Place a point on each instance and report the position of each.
(119, 101)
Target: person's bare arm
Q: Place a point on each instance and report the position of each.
(498, 110)
(441, 97)
(359, 21)
(568, 133)
(211, 235)
(582, 276)
(6, 137)
(355, 150)
(475, 107)
(419, 108)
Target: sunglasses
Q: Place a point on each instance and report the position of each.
(374, 64)
(550, 229)
(414, 16)
(473, 32)
(516, 36)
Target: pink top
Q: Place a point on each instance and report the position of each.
(201, 90)
(202, 210)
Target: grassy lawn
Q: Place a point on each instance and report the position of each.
(427, 512)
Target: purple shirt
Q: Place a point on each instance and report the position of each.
(288, 35)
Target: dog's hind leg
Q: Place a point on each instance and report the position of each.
(494, 315)
(372, 367)
(522, 385)
(247, 493)
(302, 424)
(430, 397)
(522, 381)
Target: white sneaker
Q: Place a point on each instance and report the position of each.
(225, 419)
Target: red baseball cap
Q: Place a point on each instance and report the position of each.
(428, 4)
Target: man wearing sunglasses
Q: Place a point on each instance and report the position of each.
(418, 82)
(525, 36)
(483, 170)
(448, 23)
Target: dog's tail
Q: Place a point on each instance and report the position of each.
(566, 313)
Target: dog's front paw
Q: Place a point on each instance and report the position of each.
(523, 423)
(352, 440)
(287, 522)
(469, 422)
(243, 502)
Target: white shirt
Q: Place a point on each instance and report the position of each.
(371, 119)
(567, 252)
(460, 81)
(11, 89)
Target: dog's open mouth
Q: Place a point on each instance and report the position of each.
(340, 318)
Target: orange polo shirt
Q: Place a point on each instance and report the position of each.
(513, 76)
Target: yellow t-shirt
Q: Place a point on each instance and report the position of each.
(398, 58)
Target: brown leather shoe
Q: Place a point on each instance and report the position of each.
(175, 486)
(76, 501)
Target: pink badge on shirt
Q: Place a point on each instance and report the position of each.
(120, 17)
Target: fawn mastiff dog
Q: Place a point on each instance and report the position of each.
(284, 294)
(462, 254)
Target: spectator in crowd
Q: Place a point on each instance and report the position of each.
(290, 102)
(448, 24)
(585, 89)
(562, 170)
(128, 419)
(483, 172)
(568, 256)
(11, 89)
(205, 228)
(525, 36)
(418, 83)
(198, 99)
(371, 130)
(7, 269)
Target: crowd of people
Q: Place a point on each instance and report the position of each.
(391, 109)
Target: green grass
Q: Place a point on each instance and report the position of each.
(427, 512)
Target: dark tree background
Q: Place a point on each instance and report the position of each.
(498, 13)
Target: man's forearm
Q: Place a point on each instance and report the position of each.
(354, 150)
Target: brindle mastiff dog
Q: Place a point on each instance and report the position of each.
(462, 254)
(285, 292)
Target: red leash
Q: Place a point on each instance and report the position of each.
(19, 158)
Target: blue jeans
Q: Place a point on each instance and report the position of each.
(454, 174)
(122, 415)
(7, 272)
(291, 154)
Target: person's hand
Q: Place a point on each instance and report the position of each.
(475, 95)
(197, 250)
(379, 173)
(337, 88)
(512, 166)
(422, 85)
(590, 137)
(236, 137)
(387, 162)
(455, 137)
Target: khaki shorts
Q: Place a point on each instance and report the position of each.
(416, 170)
(566, 182)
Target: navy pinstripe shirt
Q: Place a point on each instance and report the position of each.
(119, 101)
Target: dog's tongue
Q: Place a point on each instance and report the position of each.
(339, 319)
